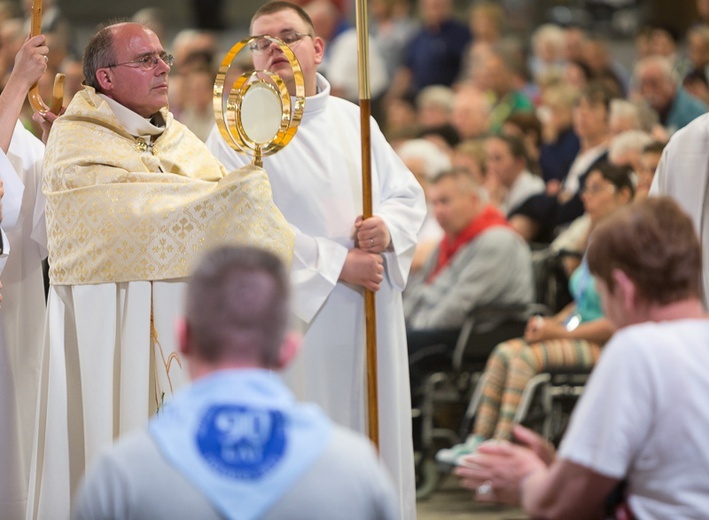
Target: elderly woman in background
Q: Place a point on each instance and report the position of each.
(542, 215)
(643, 415)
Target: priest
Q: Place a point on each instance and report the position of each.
(133, 199)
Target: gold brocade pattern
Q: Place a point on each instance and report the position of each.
(113, 215)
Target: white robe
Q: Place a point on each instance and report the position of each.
(22, 315)
(316, 182)
(99, 334)
(109, 357)
(683, 174)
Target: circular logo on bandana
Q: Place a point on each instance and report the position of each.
(242, 442)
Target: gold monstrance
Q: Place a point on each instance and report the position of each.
(258, 117)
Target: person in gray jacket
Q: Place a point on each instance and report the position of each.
(480, 261)
(236, 444)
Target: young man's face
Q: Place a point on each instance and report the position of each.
(309, 49)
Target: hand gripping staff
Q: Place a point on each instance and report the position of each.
(38, 105)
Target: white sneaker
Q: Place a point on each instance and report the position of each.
(455, 454)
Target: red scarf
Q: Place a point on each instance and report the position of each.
(489, 217)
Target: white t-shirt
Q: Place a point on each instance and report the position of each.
(645, 416)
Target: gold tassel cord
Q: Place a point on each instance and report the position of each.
(167, 363)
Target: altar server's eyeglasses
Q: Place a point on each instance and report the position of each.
(149, 61)
(290, 38)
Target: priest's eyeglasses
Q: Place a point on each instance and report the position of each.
(149, 61)
(290, 38)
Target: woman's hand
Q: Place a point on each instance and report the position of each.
(542, 329)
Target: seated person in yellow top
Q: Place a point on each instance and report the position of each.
(133, 198)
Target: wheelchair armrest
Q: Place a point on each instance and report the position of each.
(485, 319)
(431, 352)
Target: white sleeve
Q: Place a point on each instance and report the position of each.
(315, 271)
(659, 181)
(401, 205)
(14, 190)
(5, 250)
(317, 262)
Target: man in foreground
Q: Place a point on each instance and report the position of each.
(236, 444)
(641, 416)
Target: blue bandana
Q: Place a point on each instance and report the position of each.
(240, 437)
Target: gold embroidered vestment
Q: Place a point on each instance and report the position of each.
(121, 210)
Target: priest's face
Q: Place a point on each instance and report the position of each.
(290, 27)
(139, 86)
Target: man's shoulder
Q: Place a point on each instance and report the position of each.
(135, 446)
(455, 28)
(346, 445)
(693, 133)
(688, 101)
(343, 106)
(351, 456)
(347, 481)
(499, 236)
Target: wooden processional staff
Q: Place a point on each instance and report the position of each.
(36, 102)
(370, 311)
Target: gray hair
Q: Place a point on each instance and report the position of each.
(662, 63)
(630, 141)
(435, 95)
(434, 159)
(552, 34)
(466, 180)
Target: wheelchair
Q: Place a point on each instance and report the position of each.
(448, 380)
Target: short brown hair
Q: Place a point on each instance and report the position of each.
(597, 93)
(514, 144)
(654, 243)
(279, 5)
(621, 177)
(237, 305)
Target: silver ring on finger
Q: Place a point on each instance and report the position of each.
(485, 488)
(46, 58)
